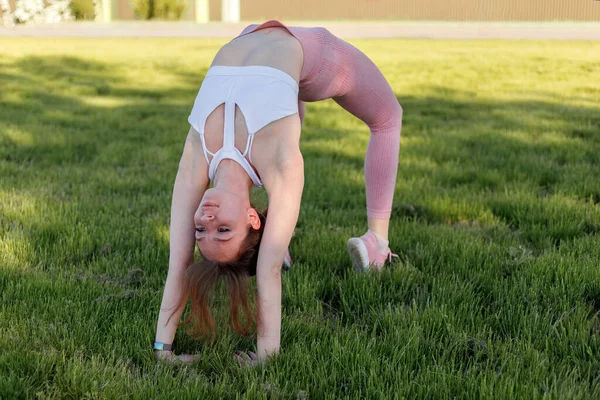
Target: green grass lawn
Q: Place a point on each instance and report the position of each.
(496, 221)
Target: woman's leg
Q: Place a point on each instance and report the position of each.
(380, 226)
(369, 97)
(381, 159)
(381, 165)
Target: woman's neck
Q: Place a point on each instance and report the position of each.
(233, 178)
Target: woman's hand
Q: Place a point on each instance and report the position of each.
(246, 358)
(165, 355)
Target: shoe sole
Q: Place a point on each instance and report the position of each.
(358, 254)
(286, 265)
(287, 261)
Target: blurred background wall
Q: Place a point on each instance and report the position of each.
(438, 10)
(452, 10)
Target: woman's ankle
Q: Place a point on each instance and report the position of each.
(379, 227)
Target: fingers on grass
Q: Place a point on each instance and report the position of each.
(166, 356)
(238, 357)
(246, 358)
(188, 358)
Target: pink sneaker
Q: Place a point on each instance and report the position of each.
(364, 253)
(287, 260)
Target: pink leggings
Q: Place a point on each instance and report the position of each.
(335, 69)
(381, 160)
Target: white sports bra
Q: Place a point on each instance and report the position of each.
(263, 94)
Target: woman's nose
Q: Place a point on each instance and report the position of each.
(207, 217)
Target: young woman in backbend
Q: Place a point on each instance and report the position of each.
(245, 130)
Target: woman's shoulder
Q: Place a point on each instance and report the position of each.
(250, 28)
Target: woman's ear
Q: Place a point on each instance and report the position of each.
(254, 219)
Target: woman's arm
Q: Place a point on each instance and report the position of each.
(284, 190)
(190, 184)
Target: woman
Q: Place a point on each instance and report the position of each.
(245, 130)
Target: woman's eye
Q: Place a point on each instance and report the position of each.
(200, 229)
(223, 230)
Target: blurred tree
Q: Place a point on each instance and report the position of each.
(83, 9)
(160, 9)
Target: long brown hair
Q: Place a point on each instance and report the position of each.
(200, 281)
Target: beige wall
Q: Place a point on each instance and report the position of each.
(478, 10)
(215, 9)
(449, 10)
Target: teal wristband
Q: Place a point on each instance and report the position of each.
(162, 346)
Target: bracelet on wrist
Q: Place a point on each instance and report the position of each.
(159, 346)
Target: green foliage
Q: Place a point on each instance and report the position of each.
(496, 220)
(83, 9)
(143, 8)
(160, 9)
(170, 9)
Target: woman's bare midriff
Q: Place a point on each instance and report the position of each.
(269, 47)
